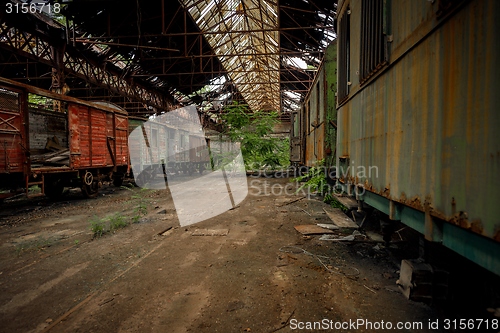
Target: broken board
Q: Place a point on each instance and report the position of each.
(348, 202)
(312, 229)
(339, 218)
(52, 158)
(210, 232)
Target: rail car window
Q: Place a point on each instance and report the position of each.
(372, 38)
(47, 104)
(319, 114)
(295, 124)
(310, 118)
(154, 137)
(9, 100)
(344, 51)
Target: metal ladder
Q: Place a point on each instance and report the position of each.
(28, 184)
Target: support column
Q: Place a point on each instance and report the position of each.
(58, 78)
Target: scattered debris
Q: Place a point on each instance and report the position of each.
(164, 232)
(288, 202)
(336, 238)
(328, 226)
(370, 289)
(284, 260)
(325, 261)
(106, 301)
(312, 229)
(339, 218)
(357, 233)
(375, 236)
(305, 211)
(210, 232)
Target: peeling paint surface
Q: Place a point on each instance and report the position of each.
(428, 122)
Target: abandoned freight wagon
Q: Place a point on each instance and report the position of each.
(418, 112)
(52, 141)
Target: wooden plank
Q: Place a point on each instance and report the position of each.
(312, 229)
(339, 218)
(50, 157)
(59, 157)
(348, 202)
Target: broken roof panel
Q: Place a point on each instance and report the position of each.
(244, 34)
(181, 47)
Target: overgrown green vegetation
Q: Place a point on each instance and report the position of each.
(141, 207)
(315, 180)
(101, 226)
(330, 199)
(97, 226)
(253, 130)
(116, 222)
(38, 244)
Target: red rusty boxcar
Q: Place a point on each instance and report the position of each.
(55, 141)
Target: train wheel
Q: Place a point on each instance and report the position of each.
(90, 186)
(92, 190)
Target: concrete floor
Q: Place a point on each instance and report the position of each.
(256, 274)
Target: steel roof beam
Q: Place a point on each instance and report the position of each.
(38, 47)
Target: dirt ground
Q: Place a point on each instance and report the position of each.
(256, 274)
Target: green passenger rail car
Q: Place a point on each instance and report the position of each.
(313, 132)
(418, 112)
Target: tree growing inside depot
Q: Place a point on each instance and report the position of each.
(254, 130)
